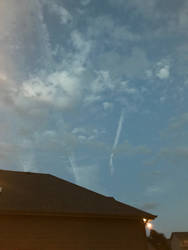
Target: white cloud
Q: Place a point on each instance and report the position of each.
(58, 89)
(80, 43)
(102, 82)
(124, 86)
(150, 206)
(151, 190)
(83, 48)
(60, 11)
(50, 134)
(107, 105)
(79, 130)
(92, 137)
(163, 72)
(86, 134)
(98, 86)
(82, 138)
(90, 99)
(85, 2)
(61, 89)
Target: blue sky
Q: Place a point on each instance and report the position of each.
(95, 92)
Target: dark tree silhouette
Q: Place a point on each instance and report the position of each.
(158, 240)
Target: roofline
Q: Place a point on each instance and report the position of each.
(146, 215)
(175, 234)
(73, 215)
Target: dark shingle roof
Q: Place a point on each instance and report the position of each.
(22, 192)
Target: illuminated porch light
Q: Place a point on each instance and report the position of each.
(149, 225)
(144, 220)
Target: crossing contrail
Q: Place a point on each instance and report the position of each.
(116, 141)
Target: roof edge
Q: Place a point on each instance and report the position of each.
(177, 234)
(73, 215)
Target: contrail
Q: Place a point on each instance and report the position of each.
(116, 141)
(73, 168)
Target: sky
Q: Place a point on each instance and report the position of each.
(95, 92)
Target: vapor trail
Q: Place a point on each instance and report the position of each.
(73, 168)
(116, 141)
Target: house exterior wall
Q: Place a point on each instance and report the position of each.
(178, 244)
(150, 247)
(55, 233)
(175, 243)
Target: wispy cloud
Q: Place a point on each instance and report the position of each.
(60, 11)
(152, 190)
(85, 2)
(116, 141)
(150, 205)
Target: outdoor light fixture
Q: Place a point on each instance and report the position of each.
(147, 223)
(144, 220)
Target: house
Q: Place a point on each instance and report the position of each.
(150, 246)
(179, 241)
(43, 212)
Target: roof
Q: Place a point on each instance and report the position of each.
(24, 192)
(180, 235)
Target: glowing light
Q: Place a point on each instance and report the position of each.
(144, 220)
(149, 226)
